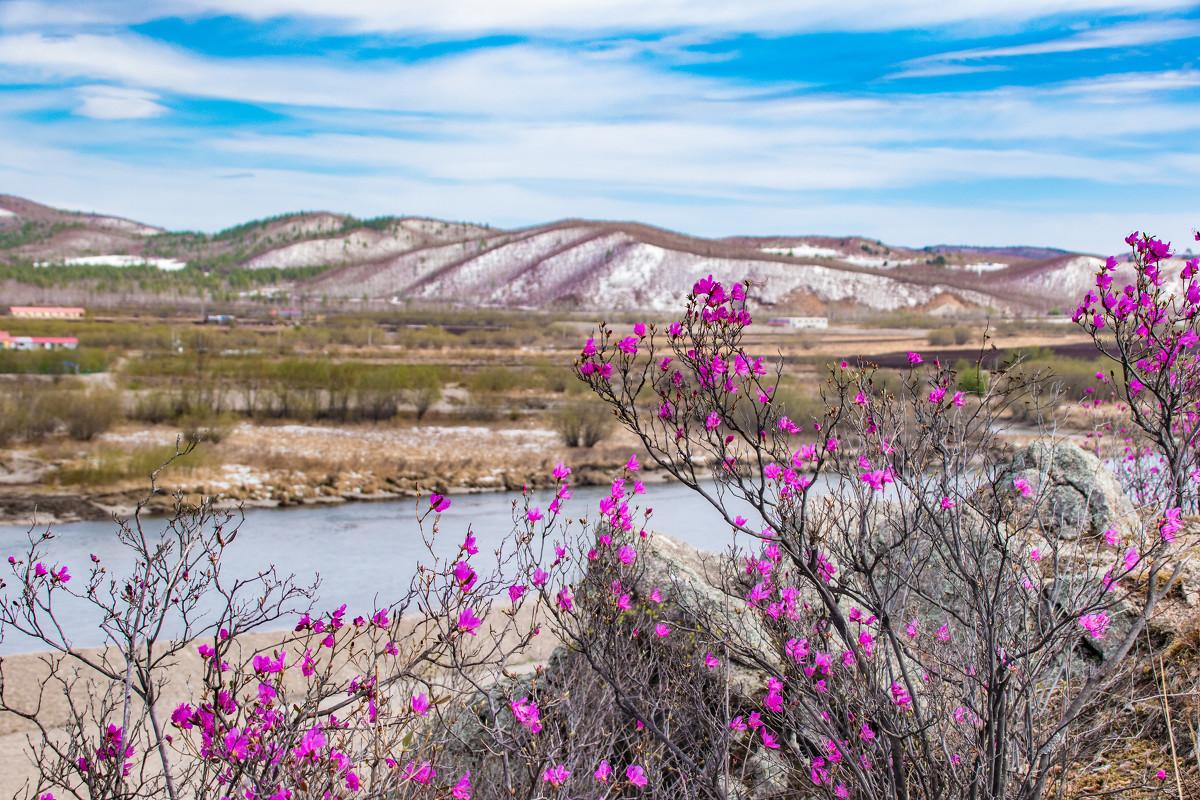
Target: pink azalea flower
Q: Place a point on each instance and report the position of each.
(1022, 486)
(603, 771)
(959, 399)
(1170, 524)
(636, 775)
(566, 598)
(711, 661)
(468, 622)
(1095, 624)
(421, 774)
(768, 739)
(662, 630)
(632, 464)
(556, 775)
(527, 714)
(439, 503)
(914, 359)
(947, 503)
(534, 514)
(464, 575)
(627, 554)
(420, 704)
(516, 591)
(469, 544)
(462, 789)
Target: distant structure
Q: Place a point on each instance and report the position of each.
(46, 312)
(10, 342)
(799, 323)
(219, 319)
(287, 313)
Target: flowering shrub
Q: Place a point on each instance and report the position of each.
(1147, 327)
(900, 616)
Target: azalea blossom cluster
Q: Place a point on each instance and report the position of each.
(869, 593)
(1143, 314)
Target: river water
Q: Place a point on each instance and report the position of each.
(357, 549)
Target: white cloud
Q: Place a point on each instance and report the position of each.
(607, 16)
(116, 102)
(943, 70)
(1124, 35)
(535, 86)
(525, 133)
(690, 160)
(517, 81)
(192, 197)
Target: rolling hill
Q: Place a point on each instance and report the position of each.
(569, 264)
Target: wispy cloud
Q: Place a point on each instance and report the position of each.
(673, 112)
(1130, 34)
(943, 70)
(515, 80)
(116, 102)
(456, 17)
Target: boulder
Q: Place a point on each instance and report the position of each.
(1081, 495)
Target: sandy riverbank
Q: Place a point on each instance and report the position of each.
(25, 685)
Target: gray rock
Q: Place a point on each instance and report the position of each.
(1081, 494)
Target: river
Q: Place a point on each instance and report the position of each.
(357, 549)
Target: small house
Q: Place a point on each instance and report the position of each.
(46, 312)
(9, 342)
(799, 323)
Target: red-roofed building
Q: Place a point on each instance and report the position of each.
(10, 342)
(46, 312)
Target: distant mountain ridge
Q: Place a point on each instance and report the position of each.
(572, 263)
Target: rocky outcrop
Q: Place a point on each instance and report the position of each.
(1081, 496)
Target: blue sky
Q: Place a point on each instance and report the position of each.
(1050, 122)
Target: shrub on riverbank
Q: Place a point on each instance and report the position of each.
(31, 411)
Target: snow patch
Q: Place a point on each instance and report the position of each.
(979, 267)
(803, 250)
(878, 262)
(165, 264)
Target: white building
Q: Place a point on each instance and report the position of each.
(799, 323)
(46, 312)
